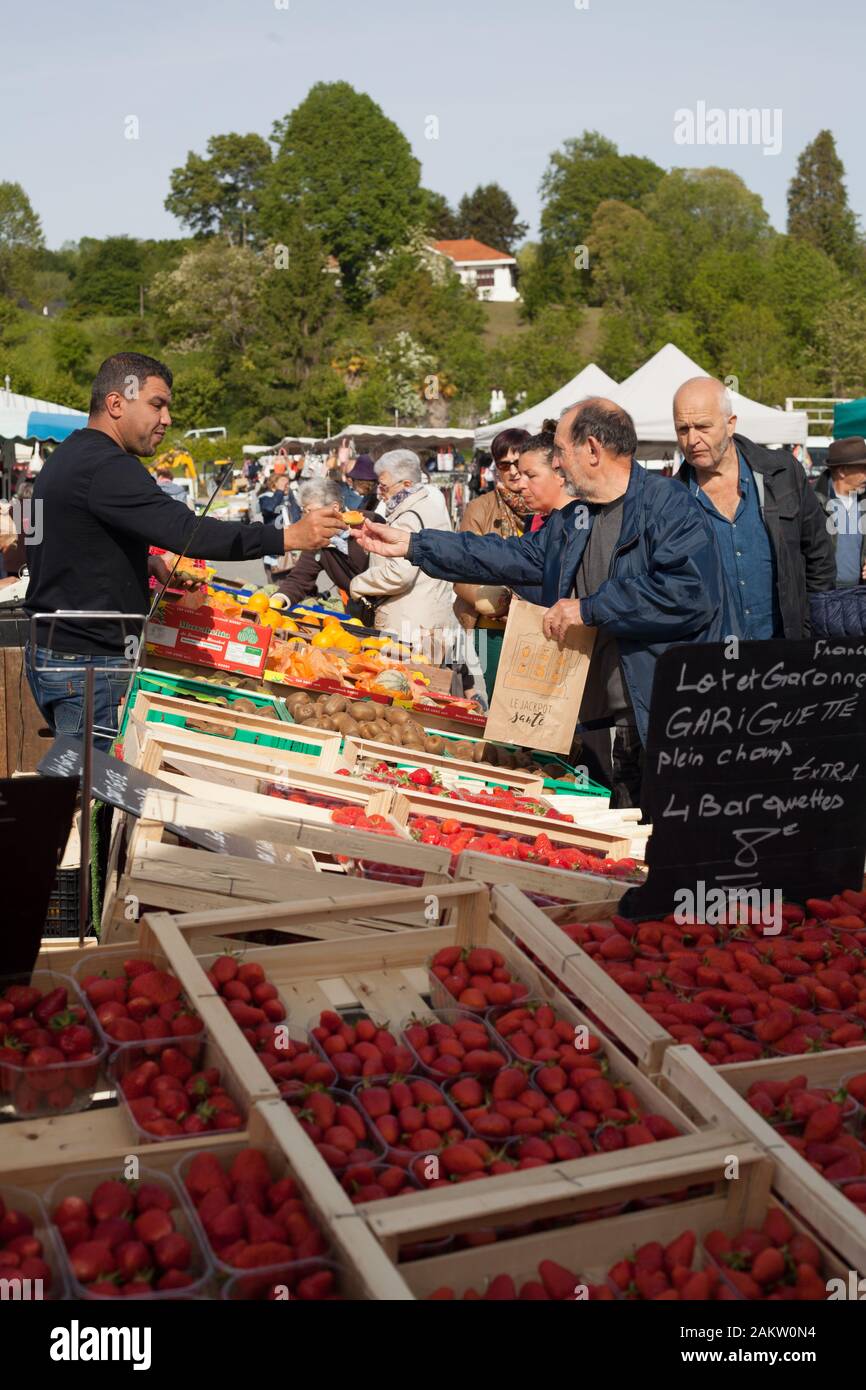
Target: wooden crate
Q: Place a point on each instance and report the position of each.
(591, 1248)
(513, 822)
(35, 1153)
(174, 754)
(21, 723)
(357, 750)
(717, 1094)
(599, 894)
(318, 748)
(180, 879)
(386, 976)
(257, 821)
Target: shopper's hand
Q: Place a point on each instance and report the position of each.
(161, 571)
(383, 540)
(314, 529)
(563, 615)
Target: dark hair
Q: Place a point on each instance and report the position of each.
(118, 372)
(164, 473)
(505, 440)
(612, 426)
(541, 442)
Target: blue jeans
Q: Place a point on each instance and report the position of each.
(57, 682)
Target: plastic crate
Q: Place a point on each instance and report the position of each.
(585, 787)
(186, 687)
(62, 916)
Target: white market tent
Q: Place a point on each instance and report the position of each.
(363, 436)
(591, 381)
(648, 395)
(26, 418)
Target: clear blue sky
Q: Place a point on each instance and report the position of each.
(509, 80)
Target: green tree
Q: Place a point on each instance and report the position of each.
(438, 218)
(629, 264)
(109, 276)
(490, 215)
(353, 171)
(71, 350)
(723, 279)
(701, 210)
(534, 364)
(220, 192)
(212, 300)
(841, 345)
(20, 238)
(798, 281)
(755, 350)
(196, 398)
(818, 211)
(587, 171)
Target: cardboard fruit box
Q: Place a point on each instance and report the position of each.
(203, 637)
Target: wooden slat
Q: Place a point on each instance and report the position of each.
(720, 1101)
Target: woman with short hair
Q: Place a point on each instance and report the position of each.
(407, 601)
(341, 560)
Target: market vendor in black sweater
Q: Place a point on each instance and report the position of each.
(97, 512)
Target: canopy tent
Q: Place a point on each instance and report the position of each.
(363, 436)
(26, 418)
(591, 381)
(648, 395)
(849, 418)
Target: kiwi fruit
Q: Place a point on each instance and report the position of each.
(462, 749)
(304, 713)
(434, 744)
(349, 729)
(336, 704)
(396, 715)
(491, 754)
(324, 721)
(478, 753)
(298, 697)
(245, 706)
(365, 711)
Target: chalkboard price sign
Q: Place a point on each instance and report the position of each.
(755, 773)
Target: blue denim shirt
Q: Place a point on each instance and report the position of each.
(748, 563)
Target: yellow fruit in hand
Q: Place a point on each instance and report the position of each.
(279, 601)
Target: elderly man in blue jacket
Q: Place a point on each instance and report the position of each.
(634, 557)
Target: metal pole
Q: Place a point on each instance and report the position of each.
(86, 788)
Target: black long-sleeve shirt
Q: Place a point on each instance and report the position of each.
(97, 512)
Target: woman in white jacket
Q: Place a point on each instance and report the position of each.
(408, 602)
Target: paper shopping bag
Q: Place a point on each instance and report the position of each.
(539, 684)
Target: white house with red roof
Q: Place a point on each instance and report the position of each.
(490, 272)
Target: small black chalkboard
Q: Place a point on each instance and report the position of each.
(125, 787)
(35, 821)
(117, 783)
(755, 774)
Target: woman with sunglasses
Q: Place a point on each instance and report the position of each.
(503, 511)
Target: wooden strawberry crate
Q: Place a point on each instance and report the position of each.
(175, 754)
(385, 975)
(590, 1248)
(717, 1094)
(260, 840)
(508, 821)
(317, 748)
(34, 1154)
(456, 770)
(596, 896)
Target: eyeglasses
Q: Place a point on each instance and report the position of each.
(508, 466)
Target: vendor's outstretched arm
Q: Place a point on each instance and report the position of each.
(461, 557)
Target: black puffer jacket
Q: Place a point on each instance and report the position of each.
(797, 527)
